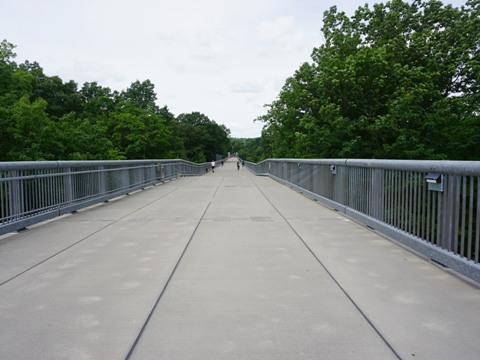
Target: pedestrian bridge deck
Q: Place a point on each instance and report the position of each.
(225, 266)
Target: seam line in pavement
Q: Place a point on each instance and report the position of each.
(83, 239)
(145, 324)
(333, 278)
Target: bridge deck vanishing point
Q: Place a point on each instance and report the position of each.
(225, 266)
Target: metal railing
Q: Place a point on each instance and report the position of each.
(31, 192)
(433, 207)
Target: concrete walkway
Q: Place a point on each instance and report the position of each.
(225, 266)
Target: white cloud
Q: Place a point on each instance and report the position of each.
(96, 72)
(280, 34)
(247, 87)
(203, 51)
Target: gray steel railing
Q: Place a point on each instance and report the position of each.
(31, 192)
(433, 207)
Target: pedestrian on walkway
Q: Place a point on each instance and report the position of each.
(213, 166)
(238, 165)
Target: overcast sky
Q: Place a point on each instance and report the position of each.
(223, 58)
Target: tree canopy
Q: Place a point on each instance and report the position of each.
(44, 118)
(398, 80)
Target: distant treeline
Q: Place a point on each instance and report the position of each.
(44, 118)
(399, 80)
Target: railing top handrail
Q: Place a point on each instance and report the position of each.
(31, 165)
(442, 166)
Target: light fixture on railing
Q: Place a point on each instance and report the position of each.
(435, 181)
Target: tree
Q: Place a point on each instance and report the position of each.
(143, 94)
(76, 138)
(247, 148)
(28, 131)
(44, 118)
(62, 98)
(97, 101)
(203, 138)
(399, 80)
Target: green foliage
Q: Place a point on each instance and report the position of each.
(248, 149)
(396, 80)
(142, 94)
(44, 118)
(28, 130)
(82, 139)
(399, 80)
(203, 138)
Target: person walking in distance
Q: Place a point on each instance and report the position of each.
(238, 165)
(213, 166)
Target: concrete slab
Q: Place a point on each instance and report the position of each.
(422, 310)
(265, 274)
(248, 289)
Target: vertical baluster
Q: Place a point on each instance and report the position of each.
(463, 216)
(470, 218)
(477, 232)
